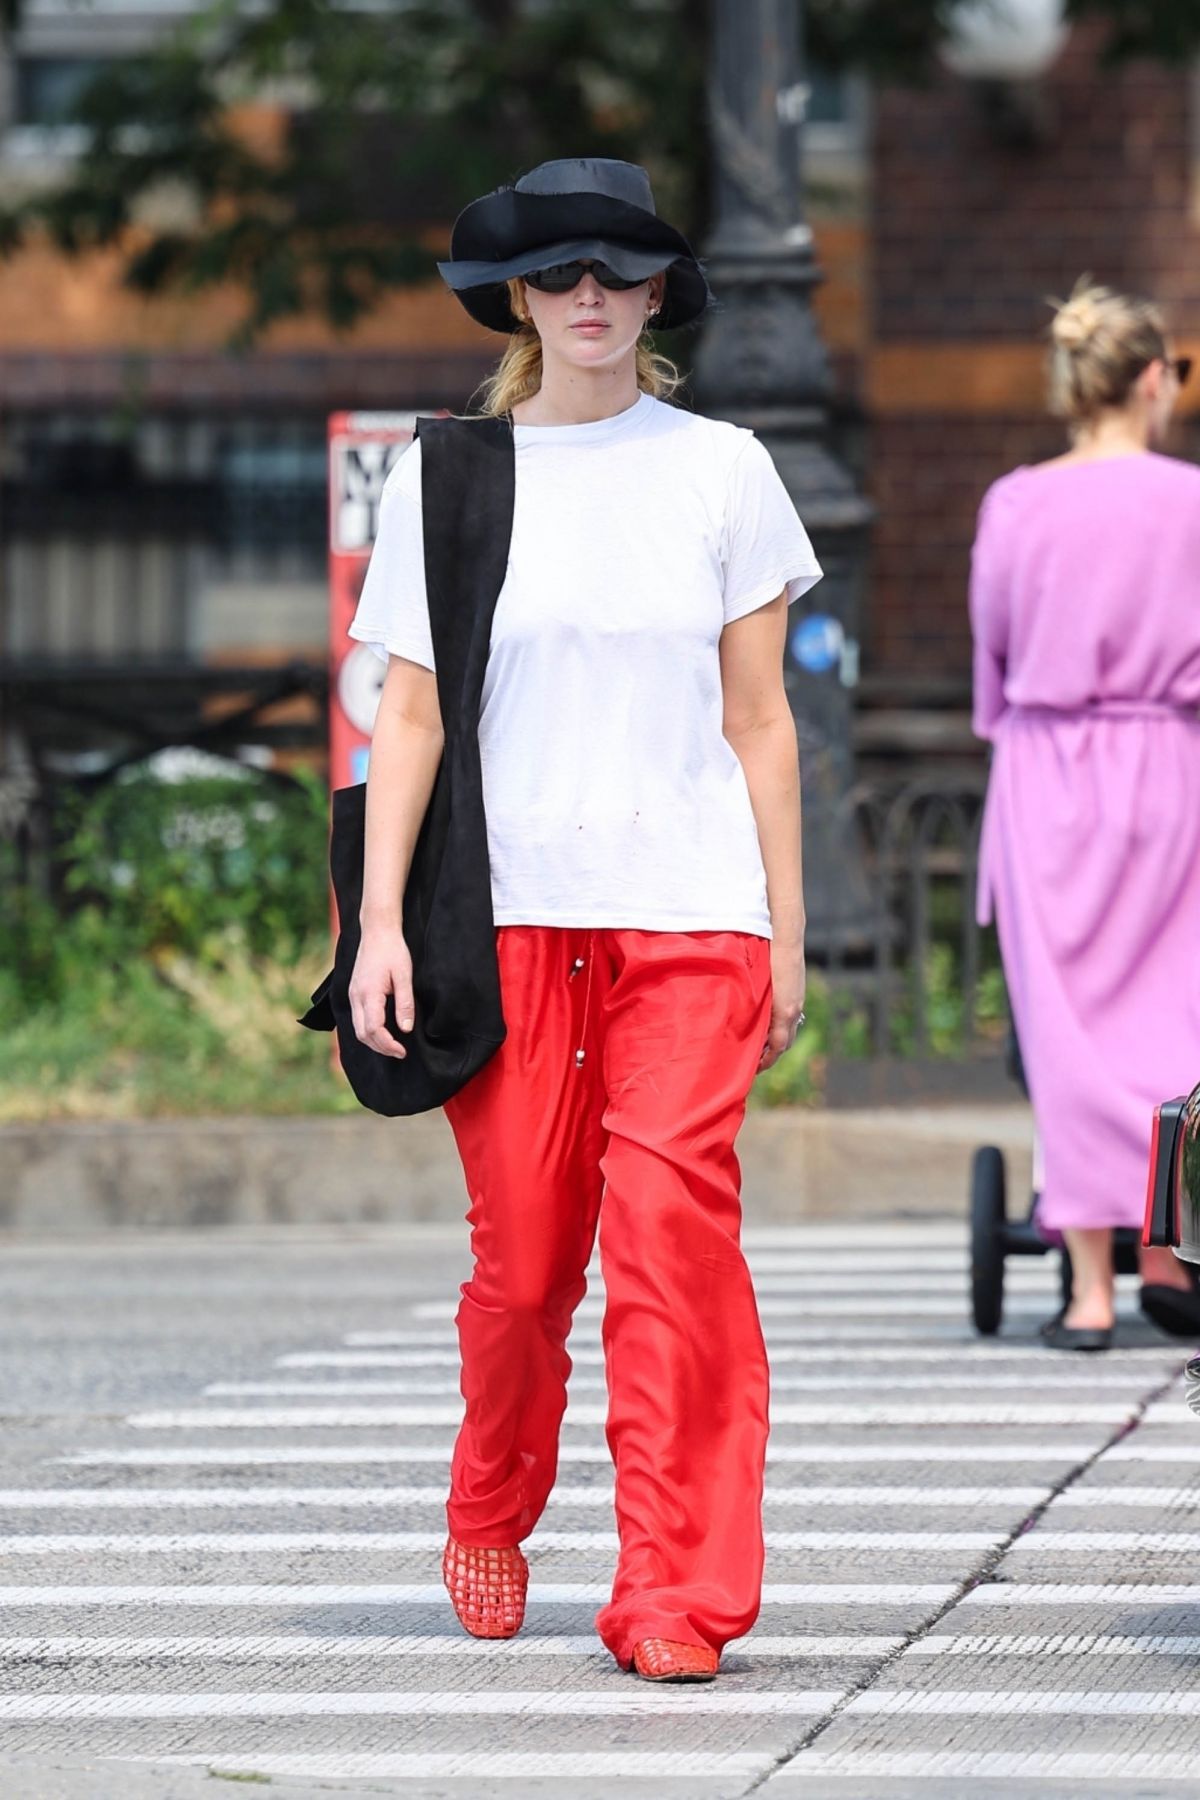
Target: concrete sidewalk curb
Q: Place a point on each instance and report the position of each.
(74, 1176)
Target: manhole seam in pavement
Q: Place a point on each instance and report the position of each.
(978, 1577)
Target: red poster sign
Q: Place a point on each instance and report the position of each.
(363, 446)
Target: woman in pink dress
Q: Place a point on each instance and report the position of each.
(1085, 605)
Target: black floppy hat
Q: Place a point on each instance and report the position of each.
(591, 207)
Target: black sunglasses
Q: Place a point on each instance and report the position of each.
(1182, 366)
(560, 278)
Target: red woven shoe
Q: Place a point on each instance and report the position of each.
(487, 1587)
(659, 1659)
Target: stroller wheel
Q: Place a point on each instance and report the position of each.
(988, 1222)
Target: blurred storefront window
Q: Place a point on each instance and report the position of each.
(123, 544)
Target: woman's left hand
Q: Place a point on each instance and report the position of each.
(787, 1001)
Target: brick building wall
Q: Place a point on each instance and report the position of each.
(968, 235)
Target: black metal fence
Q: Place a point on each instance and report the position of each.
(920, 1008)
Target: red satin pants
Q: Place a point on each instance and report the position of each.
(617, 1095)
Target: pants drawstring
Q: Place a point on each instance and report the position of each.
(587, 995)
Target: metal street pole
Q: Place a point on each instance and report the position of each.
(761, 362)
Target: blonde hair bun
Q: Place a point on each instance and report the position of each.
(1100, 341)
(1080, 318)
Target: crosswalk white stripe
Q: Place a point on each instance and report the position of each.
(867, 1333)
(945, 1264)
(480, 1765)
(1161, 1499)
(826, 1495)
(1060, 1643)
(48, 1500)
(300, 1647)
(1146, 1543)
(997, 1765)
(566, 1593)
(399, 1543)
(955, 1258)
(1002, 1703)
(977, 1381)
(833, 1259)
(1038, 1280)
(223, 1418)
(1142, 1449)
(644, 1701)
(1105, 1593)
(927, 1233)
(796, 1259)
(818, 1306)
(391, 1339)
(1067, 1451)
(998, 1352)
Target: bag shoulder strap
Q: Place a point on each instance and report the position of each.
(468, 483)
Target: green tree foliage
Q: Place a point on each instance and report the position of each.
(398, 112)
(395, 115)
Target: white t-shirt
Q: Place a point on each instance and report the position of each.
(612, 796)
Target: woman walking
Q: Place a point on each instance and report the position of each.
(1085, 601)
(643, 816)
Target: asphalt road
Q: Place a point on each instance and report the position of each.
(224, 1461)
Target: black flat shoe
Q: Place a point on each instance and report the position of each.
(1057, 1336)
(1174, 1310)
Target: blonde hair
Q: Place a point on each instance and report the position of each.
(1100, 343)
(518, 374)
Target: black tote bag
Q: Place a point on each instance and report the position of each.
(467, 491)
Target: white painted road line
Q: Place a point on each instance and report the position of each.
(1161, 1499)
(1181, 1544)
(628, 1702)
(1059, 1643)
(286, 1455)
(816, 1306)
(427, 1338)
(975, 1381)
(1142, 1449)
(47, 1500)
(481, 1765)
(949, 1260)
(997, 1765)
(1041, 1282)
(998, 1353)
(201, 1499)
(874, 1594)
(927, 1233)
(305, 1418)
(1106, 1593)
(1078, 1703)
(902, 1496)
(955, 1333)
(299, 1647)
(404, 1543)
(353, 1455)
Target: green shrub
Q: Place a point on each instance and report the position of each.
(182, 926)
(161, 964)
(147, 866)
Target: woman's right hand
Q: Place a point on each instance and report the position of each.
(383, 966)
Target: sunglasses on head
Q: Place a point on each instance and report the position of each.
(560, 278)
